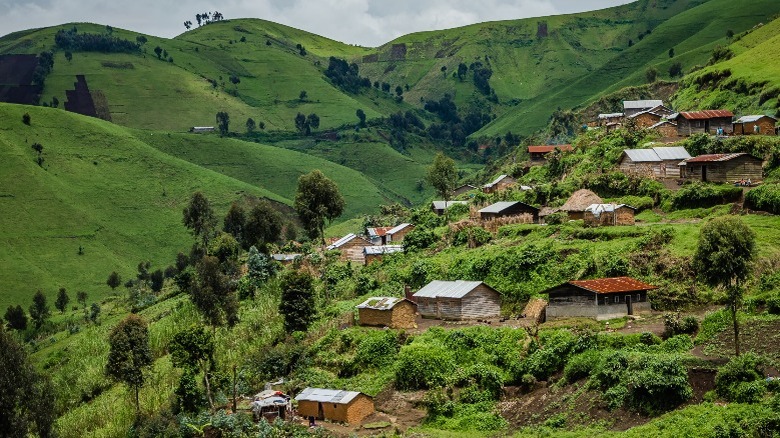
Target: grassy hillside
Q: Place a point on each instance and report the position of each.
(753, 81)
(100, 188)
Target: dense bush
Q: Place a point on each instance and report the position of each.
(93, 42)
(473, 236)
(765, 197)
(422, 366)
(675, 324)
(698, 194)
(557, 218)
(550, 356)
(581, 365)
(741, 379)
(419, 238)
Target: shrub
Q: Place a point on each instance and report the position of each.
(556, 218)
(765, 197)
(698, 194)
(378, 349)
(657, 383)
(677, 344)
(419, 238)
(674, 324)
(422, 366)
(739, 380)
(474, 236)
(773, 305)
(543, 362)
(581, 365)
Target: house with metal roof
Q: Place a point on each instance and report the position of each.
(504, 209)
(458, 300)
(465, 188)
(351, 247)
(723, 168)
(703, 122)
(597, 215)
(631, 107)
(397, 233)
(378, 235)
(657, 162)
(376, 253)
(600, 299)
(439, 207)
(502, 182)
(665, 128)
(286, 259)
(393, 312)
(755, 125)
(349, 407)
(649, 117)
(538, 154)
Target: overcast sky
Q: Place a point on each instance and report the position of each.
(364, 22)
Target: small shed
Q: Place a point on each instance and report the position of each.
(349, 407)
(439, 207)
(723, 168)
(351, 247)
(755, 125)
(665, 128)
(285, 259)
(393, 312)
(577, 203)
(610, 119)
(539, 153)
(602, 298)
(509, 209)
(703, 122)
(597, 215)
(631, 107)
(503, 182)
(397, 234)
(376, 253)
(378, 235)
(465, 188)
(658, 162)
(458, 300)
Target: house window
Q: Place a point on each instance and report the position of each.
(617, 299)
(638, 297)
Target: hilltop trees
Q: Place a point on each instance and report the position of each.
(723, 259)
(130, 354)
(223, 123)
(442, 175)
(317, 199)
(305, 124)
(26, 405)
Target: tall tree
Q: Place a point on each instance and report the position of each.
(317, 199)
(198, 216)
(297, 304)
(16, 317)
(223, 122)
(263, 226)
(129, 355)
(81, 297)
(61, 303)
(724, 258)
(361, 115)
(25, 395)
(114, 280)
(211, 293)
(193, 350)
(234, 221)
(442, 175)
(250, 125)
(39, 310)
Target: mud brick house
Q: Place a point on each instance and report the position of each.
(349, 407)
(351, 247)
(658, 162)
(610, 121)
(373, 254)
(503, 182)
(602, 298)
(650, 117)
(509, 209)
(465, 188)
(577, 203)
(631, 107)
(703, 122)
(397, 234)
(538, 153)
(393, 312)
(665, 128)
(755, 125)
(439, 207)
(723, 168)
(378, 235)
(597, 215)
(458, 300)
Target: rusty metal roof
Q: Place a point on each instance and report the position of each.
(714, 158)
(381, 303)
(548, 148)
(612, 285)
(706, 114)
(378, 231)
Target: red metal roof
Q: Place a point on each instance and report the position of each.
(549, 148)
(381, 231)
(612, 285)
(710, 158)
(706, 114)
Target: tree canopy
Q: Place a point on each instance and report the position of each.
(198, 216)
(297, 304)
(317, 199)
(130, 354)
(442, 175)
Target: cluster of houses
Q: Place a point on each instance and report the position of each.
(653, 114)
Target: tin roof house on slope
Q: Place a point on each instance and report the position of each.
(538, 154)
(658, 162)
(439, 207)
(397, 233)
(376, 253)
(351, 247)
(393, 312)
(755, 125)
(596, 215)
(631, 107)
(458, 300)
(600, 299)
(703, 122)
(723, 168)
(378, 235)
(335, 405)
(502, 182)
(509, 209)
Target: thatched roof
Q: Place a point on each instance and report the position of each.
(581, 199)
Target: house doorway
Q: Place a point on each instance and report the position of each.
(704, 173)
(629, 305)
(320, 412)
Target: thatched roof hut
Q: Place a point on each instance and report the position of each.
(577, 203)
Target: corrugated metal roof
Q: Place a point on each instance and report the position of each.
(382, 249)
(448, 289)
(612, 285)
(642, 155)
(285, 257)
(672, 153)
(378, 231)
(640, 104)
(495, 181)
(398, 228)
(714, 158)
(548, 148)
(663, 122)
(610, 115)
(751, 119)
(706, 114)
(381, 303)
(327, 395)
(443, 205)
(597, 209)
(342, 241)
(498, 207)
(647, 111)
